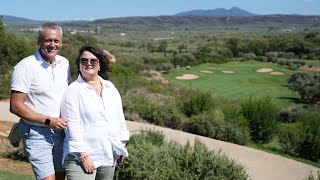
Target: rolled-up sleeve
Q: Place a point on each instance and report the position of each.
(124, 133)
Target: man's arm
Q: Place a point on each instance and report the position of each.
(20, 109)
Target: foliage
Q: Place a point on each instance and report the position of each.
(307, 85)
(309, 148)
(184, 59)
(290, 114)
(154, 160)
(157, 109)
(312, 177)
(261, 114)
(122, 77)
(12, 50)
(215, 126)
(196, 102)
(291, 136)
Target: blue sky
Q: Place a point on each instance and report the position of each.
(99, 9)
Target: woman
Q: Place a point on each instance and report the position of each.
(96, 129)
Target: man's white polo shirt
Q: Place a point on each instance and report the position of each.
(44, 85)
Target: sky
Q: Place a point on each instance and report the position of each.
(61, 10)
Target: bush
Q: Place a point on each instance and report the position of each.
(293, 66)
(291, 136)
(290, 115)
(154, 108)
(261, 115)
(309, 148)
(195, 103)
(5, 80)
(312, 177)
(151, 160)
(307, 85)
(214, 126)
(262, 58)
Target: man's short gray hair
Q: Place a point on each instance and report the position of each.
(49, 26)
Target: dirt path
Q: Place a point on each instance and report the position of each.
(259, 165)
(5, 114)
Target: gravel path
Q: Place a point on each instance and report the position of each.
(259, 165)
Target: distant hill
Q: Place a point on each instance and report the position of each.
(234, 11)
(203, 22)
(13, 19)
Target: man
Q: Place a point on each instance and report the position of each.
(37, 86)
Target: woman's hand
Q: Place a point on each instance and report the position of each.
(87, 164)
(121, 159)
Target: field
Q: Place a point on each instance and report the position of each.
(239, 80)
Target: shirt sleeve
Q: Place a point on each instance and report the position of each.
(21, 78)
(71, 112)
(124, 133)
(69, 76)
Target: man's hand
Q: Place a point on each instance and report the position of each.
(57, 123)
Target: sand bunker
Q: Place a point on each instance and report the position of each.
(228, 72)
(312, 68)
(277, 73)
(187, 76)
(206, 71)
(264, 70)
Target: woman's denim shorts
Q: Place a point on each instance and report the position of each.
(43, 147)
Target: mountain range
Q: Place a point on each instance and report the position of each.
(234, 11)
(218, 12)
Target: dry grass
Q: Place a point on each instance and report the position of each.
(6, 149)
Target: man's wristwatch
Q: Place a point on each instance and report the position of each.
(47, 121)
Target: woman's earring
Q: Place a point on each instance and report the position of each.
(99, 69)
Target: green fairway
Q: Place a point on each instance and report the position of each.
(242, 83)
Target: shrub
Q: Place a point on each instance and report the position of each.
(232, 132)
(196, 102)
(214, 126)
(249, 56)
(307, 85)
(282, 61)
(290, 114)
(5, 85)
(312, 177)
(262, 58)
(151, 160)
(309, 148)
(261, 115)
(291, 136)
(292, 66)
(154, 108)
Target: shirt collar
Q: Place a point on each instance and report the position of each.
(42, 61)
(104, 83)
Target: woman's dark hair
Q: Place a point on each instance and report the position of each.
(104, 61)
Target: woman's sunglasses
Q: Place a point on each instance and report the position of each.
(85, 61)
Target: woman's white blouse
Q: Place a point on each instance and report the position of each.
(96, 125)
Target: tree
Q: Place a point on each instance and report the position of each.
(12, 50)
(307, 85)
(234, 45)
(163, 47)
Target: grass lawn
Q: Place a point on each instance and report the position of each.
(5, 175)
(241, 84)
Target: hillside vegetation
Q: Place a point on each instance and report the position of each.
(244, 108)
